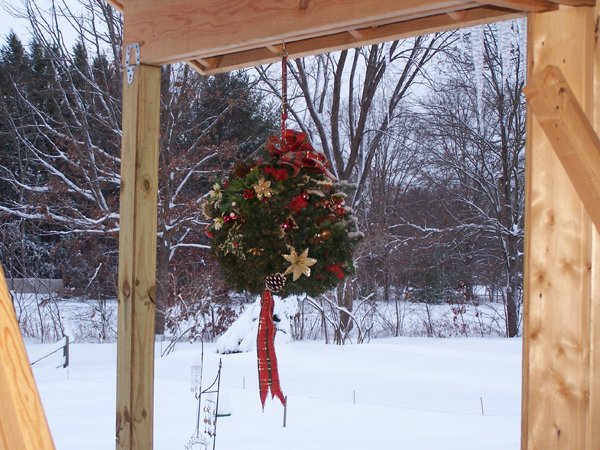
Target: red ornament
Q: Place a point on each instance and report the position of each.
(278, 174)
(299, 202)
(209, 234)
(289, 225)
(336, 270)
(341, 211)
(249, 194)
(230, 217)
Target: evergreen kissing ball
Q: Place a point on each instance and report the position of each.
(283, 215)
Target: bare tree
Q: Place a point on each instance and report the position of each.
(66, 124)
(350, 102)
(478, 161)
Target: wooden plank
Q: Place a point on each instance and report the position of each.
(523, 5)
(345, 40)
(576, 2)
(570, 132)
(458, 16)
(560, 268)
(593, 425)
(137, 259)
(119, 4)
(23, 424)
(175, 30)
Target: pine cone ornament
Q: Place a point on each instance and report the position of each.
(275, 283)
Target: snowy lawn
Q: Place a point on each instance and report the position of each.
(411, 393)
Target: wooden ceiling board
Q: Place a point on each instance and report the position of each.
(347, 40)
(221, 35)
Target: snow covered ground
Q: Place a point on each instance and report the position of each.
(411, 393)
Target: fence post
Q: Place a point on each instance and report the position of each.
(66, 353)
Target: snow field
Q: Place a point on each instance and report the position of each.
(411, 393)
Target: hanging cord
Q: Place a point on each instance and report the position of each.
(284, 99)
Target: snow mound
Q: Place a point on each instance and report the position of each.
(241, 335)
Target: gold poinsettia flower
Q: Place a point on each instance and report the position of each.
(215, 192)
(263, 189)
(219, 223)
(300, 264)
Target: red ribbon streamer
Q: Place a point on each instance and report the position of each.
(268, 375)
(295, 149)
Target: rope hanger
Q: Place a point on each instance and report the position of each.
(284, 98)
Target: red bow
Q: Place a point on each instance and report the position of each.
(296, 151)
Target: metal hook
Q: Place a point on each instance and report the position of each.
(284, 52)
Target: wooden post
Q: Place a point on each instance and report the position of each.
(137, 259)
(561, 394)
(23, 423)
(569, 130)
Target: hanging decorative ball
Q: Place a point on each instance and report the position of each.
(281, 215)
(229, 217)
(325, 234)
(275, 283)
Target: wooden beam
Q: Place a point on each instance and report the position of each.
(576, 2)
(561, 390)
(457, 16)
(23, 424)
(570, 132)
(344, 40)
(137, 259)
(176, 30)
(523, 5)
(357, 34)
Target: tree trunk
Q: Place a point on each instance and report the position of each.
(162, 285)
(344, 299)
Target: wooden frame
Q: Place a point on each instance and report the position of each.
(23, 424)
(137, 259)
(561, 357)
(570, 132)
(217, 36)
(561, 363)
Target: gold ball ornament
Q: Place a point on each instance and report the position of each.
(325, 235)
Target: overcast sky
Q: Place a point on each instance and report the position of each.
(7, 22)
(21, 26)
